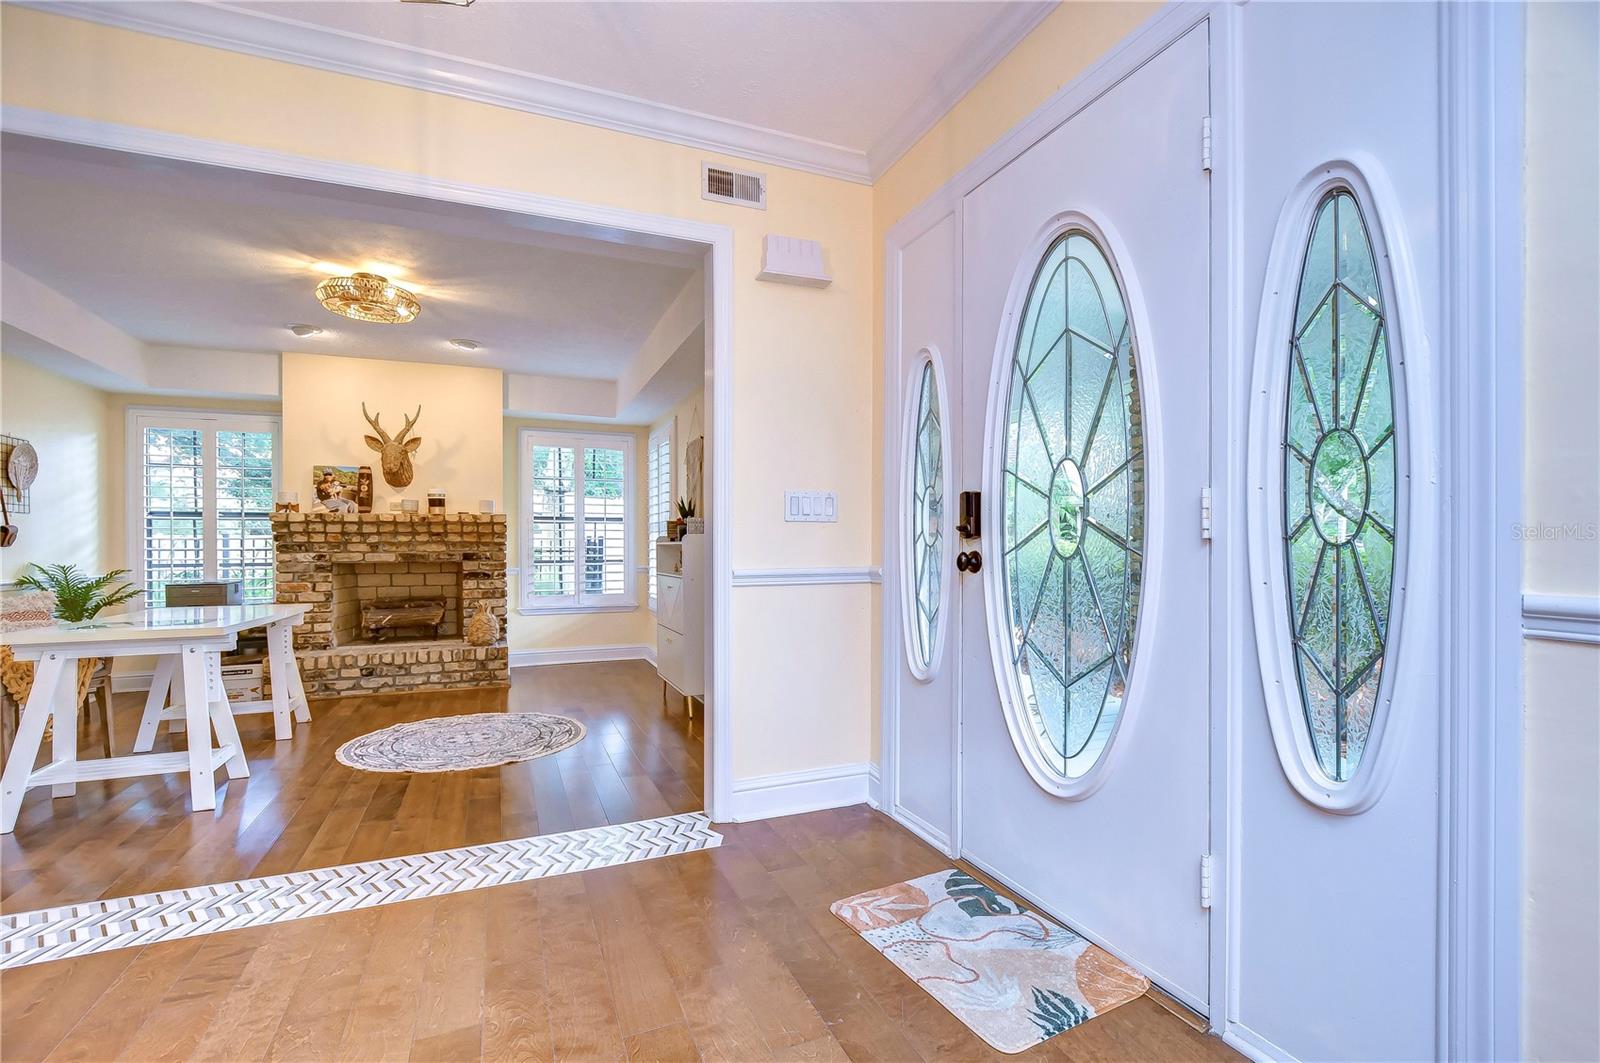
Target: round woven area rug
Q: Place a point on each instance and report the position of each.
(460, 743)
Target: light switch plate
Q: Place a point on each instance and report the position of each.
(811, 507)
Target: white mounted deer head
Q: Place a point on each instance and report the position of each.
(394, 454)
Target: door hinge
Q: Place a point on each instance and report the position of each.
(1205, 514)
(1205, 143)
(1205, 880)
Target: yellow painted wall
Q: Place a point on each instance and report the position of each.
(460, 452)
(1561, 905)
(805, 369)
(563, 631)
(68, 502)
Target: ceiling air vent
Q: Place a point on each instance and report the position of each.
(733, 186)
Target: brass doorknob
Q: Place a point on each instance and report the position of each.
(969, 561)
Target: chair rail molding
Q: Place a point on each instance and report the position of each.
(801, 577)
(1561, 618)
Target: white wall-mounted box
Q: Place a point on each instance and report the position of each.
(791, 260)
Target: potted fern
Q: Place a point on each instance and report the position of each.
(79, 596)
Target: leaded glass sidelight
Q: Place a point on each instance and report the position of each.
(1073, 520)
(1339, 486)
(926, 548)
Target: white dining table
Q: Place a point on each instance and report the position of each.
(188, 644)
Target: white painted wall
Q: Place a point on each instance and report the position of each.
(1561, 807)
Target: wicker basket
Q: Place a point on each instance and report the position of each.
(18, 676)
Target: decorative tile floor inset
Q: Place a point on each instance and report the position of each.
(128, 922)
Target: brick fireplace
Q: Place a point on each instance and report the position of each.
(339, 562)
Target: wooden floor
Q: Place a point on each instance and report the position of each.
(729, 953)
(302, 809)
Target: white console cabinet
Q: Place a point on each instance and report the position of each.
(681, 617)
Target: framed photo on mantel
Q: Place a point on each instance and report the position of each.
(342, 488)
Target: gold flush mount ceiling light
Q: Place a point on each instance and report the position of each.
(368, 297)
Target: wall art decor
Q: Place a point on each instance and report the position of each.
(19, 466)
(394, 454)
(693, 472)
(335, 488)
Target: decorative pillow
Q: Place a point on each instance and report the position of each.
(24, 609)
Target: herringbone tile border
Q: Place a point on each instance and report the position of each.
(127, 922)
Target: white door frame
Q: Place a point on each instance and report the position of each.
(1479, 1005)
(716, 240)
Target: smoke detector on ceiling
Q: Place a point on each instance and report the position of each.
(722, 185)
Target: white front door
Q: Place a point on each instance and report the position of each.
(921, 788)
(1085, 409)
(1337, 843)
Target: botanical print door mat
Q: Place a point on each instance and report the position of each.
(461, 743)
(130, 922)
(1014, 977)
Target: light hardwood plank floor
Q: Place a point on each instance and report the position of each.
(302, 809)
(724, 954)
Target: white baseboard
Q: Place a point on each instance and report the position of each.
(123, 682)
(1253, 1046)
(874, 787)
(582, 655)
(791, 792)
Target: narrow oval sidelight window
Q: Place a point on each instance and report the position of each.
(926, 543)
(1340, 527)
(1072, 518)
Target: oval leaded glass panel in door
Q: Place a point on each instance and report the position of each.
(1073, 519)
(1339, 486)
(925, 551)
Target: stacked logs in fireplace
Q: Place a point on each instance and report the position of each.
(416, 618)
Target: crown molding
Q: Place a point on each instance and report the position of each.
(954, 82)
(269, 36)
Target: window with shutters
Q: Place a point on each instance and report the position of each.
(576, 536)
(658, 494)
(201, 489)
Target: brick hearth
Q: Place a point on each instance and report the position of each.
(316, 550)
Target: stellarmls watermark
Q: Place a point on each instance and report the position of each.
(1578, 531)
